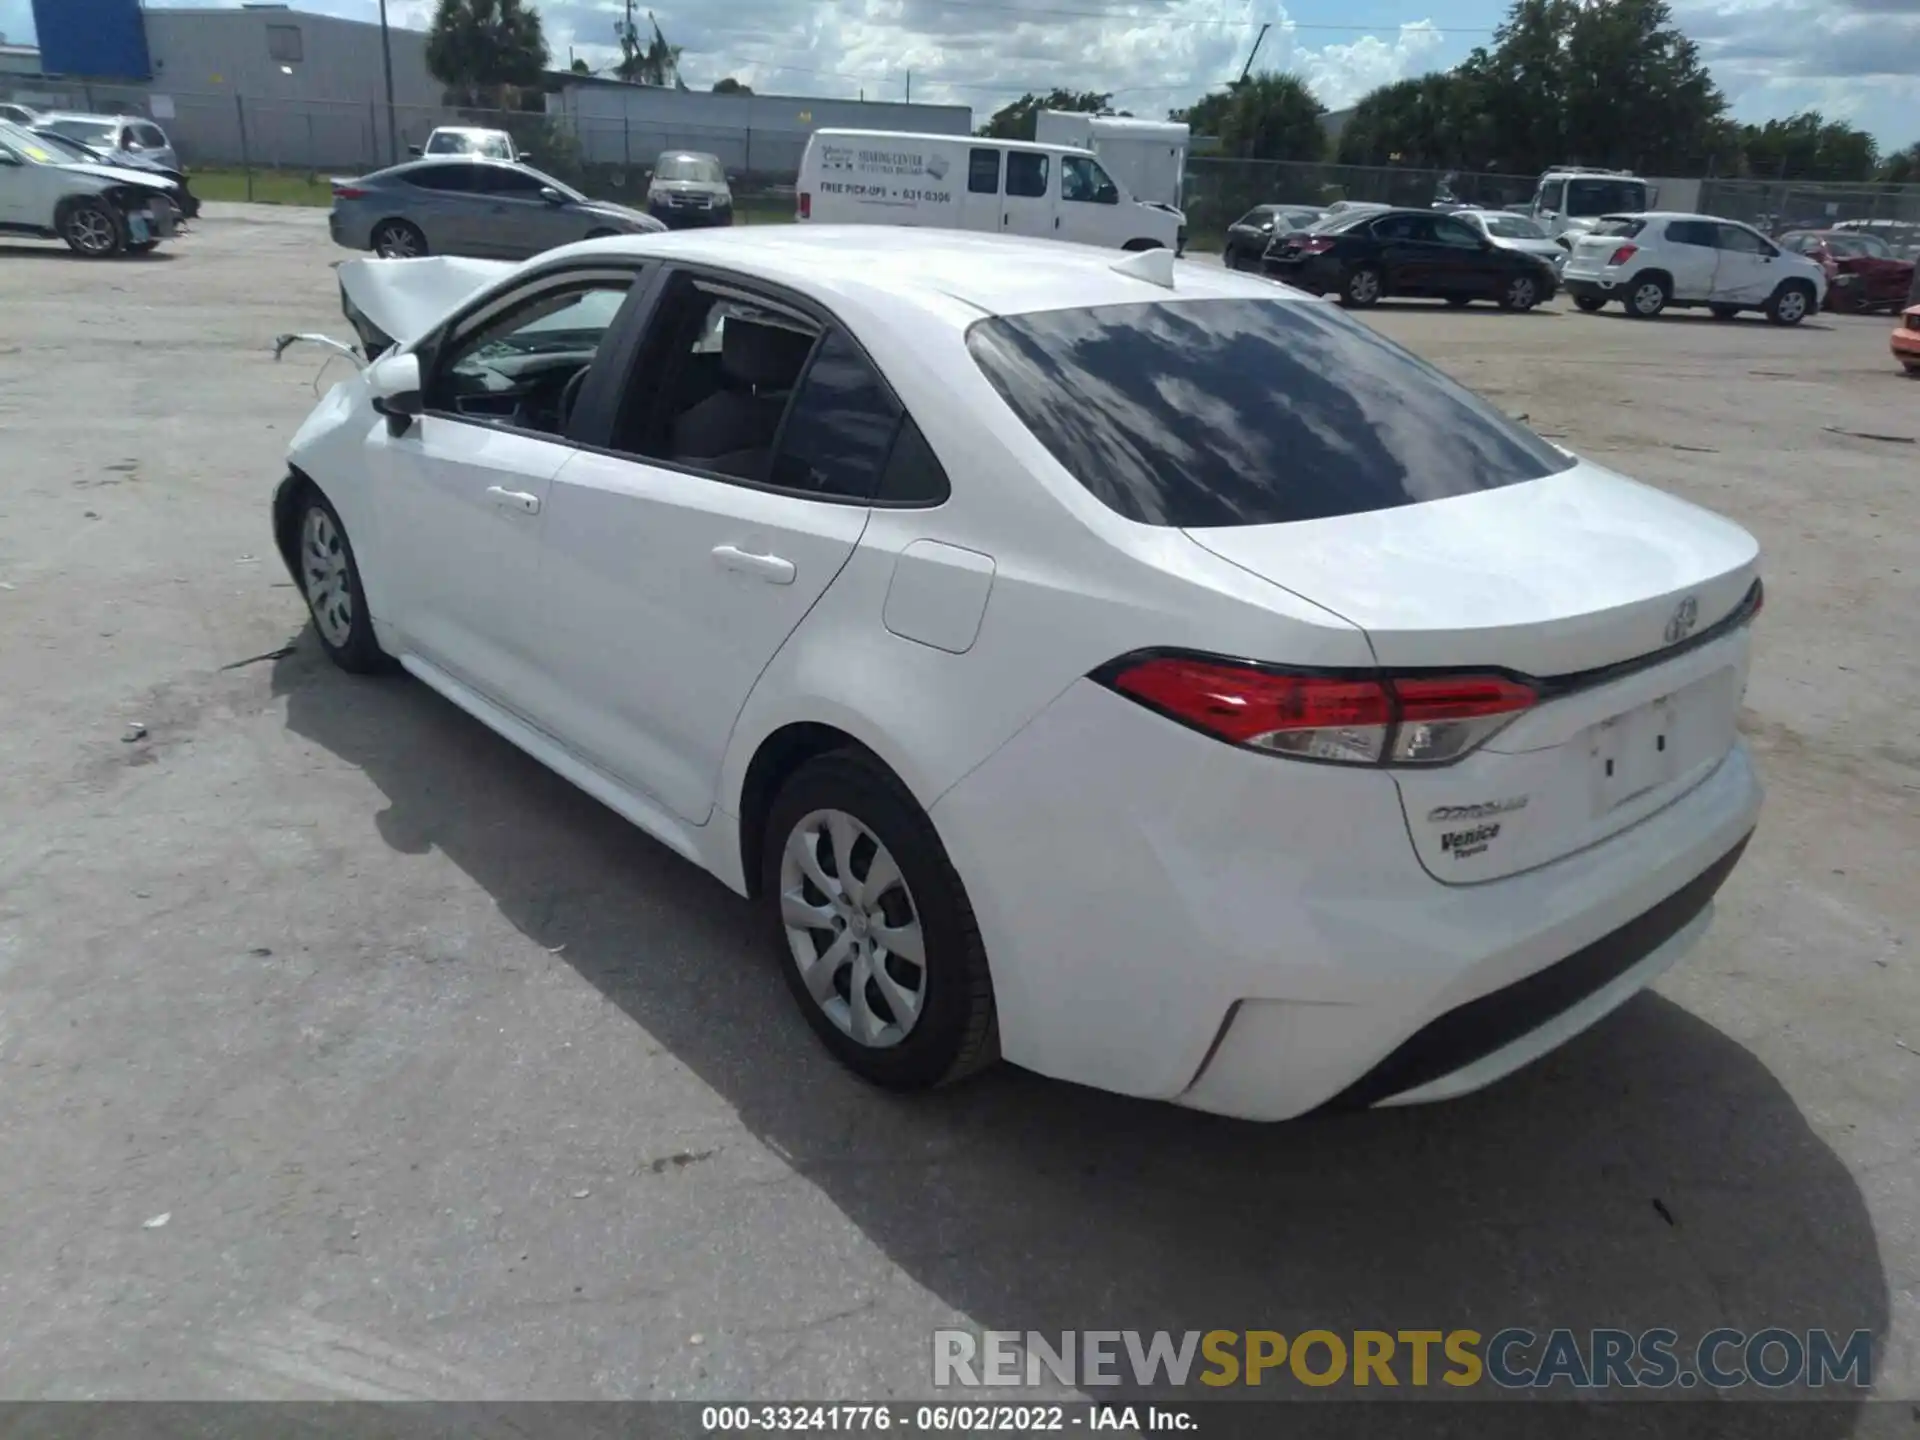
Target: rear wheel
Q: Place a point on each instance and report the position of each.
(1646, 297)
(93, 228)
(1724, 312)
(1791, 303)
(1589, 303)
(1361, 288)
(398, 240)
(877, 939)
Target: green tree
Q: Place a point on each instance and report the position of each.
(1903, 166)
(1432, 122)
(731, 86)
(1268, 117)
(1636, 93)
(486, 52)
(1808, 146)
(654, 63)
(1015, 121)
(579, 66)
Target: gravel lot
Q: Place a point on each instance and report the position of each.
(452, 1085)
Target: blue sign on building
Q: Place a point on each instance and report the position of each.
(95, 39)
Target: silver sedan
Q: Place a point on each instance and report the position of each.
(470, 206)
(1516, 232)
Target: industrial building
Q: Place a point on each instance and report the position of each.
(270, 85)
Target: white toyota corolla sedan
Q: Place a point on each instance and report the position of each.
(1134, 669)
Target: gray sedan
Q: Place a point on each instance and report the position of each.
(470, 206)
(1516, 232)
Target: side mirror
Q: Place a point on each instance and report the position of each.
(552, 196)
(414, 150)
(525, 157)
(394, 383)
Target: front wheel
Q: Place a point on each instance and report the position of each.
(1522, 293)
(876, 936)
(1143, 244)
(93, 228)
(1362, 288)
(330, 581)
(1790, 304)
(1592, 304)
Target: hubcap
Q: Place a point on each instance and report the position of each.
(1792, 305)
(1521, 293)
(853, 928)
(91, 230)
(1647, 299)
(1365, 285)
(323, 565)
(397, 243)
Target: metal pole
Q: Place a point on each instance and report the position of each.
(386, 59)
(246, 161)
(909, 87)
(1247, 69)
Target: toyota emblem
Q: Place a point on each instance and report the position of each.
(1685, 616)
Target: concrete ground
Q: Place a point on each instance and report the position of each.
(447, 1083)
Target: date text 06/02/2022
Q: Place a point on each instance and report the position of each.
(945, 1417)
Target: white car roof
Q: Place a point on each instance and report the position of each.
(1668, 215)
(957, 274)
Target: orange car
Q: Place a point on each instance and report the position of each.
(1906, 339)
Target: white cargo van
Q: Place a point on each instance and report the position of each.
(1149, 157)
(964, 182)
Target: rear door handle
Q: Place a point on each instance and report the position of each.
(514, 499)
(770, 568)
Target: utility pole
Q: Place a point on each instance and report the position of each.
(909, 87)
(1247, 69)
(386, 59)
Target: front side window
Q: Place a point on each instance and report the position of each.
(983, 171)
(150, 136)
(1197, 413)
(514, 368)
(1741, 240)
(1082, 179)
(841, 427)
(1026, 173)
(504, 180)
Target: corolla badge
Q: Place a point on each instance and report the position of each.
(1685, 616)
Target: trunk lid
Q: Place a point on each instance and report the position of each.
(1595, 587)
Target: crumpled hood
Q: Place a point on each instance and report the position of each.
(404, 299)
(151, 179)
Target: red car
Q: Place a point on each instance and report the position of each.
(1862, 273)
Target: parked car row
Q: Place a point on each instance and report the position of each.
(1366, 255)
(100, 210)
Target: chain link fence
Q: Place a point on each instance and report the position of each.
(1219, 191)
(1777, 206)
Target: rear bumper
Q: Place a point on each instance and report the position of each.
(1169, 917)
(1583, 287)
(1316, 274)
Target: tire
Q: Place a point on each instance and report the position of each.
(1459, 302)
(1143, 244)
(142, 247)
(93, 229)
(1724, 312)
(330, 584)
(951, 1031)
(398, 240)
(1362, 288)
(1592, 304)
(1520, 294)
(1912, 367)
(1647, 297)
(1791, 303)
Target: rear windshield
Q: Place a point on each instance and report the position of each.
(1597, 197)
(1196, 413)
(1617, 227)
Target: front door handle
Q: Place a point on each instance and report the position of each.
(514, 499)
(770, 568)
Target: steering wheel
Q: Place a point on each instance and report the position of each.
(570, 392)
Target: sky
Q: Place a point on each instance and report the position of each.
(1852, 59)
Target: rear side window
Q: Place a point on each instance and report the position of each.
(1691, 232)
(841, 427)
(983, 172)
(442, 177)
(1622, 227)
(1026, 173)
(1247, 412)
(914, 475)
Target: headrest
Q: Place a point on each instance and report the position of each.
(756, 354)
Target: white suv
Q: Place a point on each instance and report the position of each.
(1648, 262)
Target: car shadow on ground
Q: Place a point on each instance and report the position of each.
(59, 250)
(1652, 1173)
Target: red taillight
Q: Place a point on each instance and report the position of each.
(1400, 720)
(1317, 245)
(347, 192)
(1623, 254)
(806, 206)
